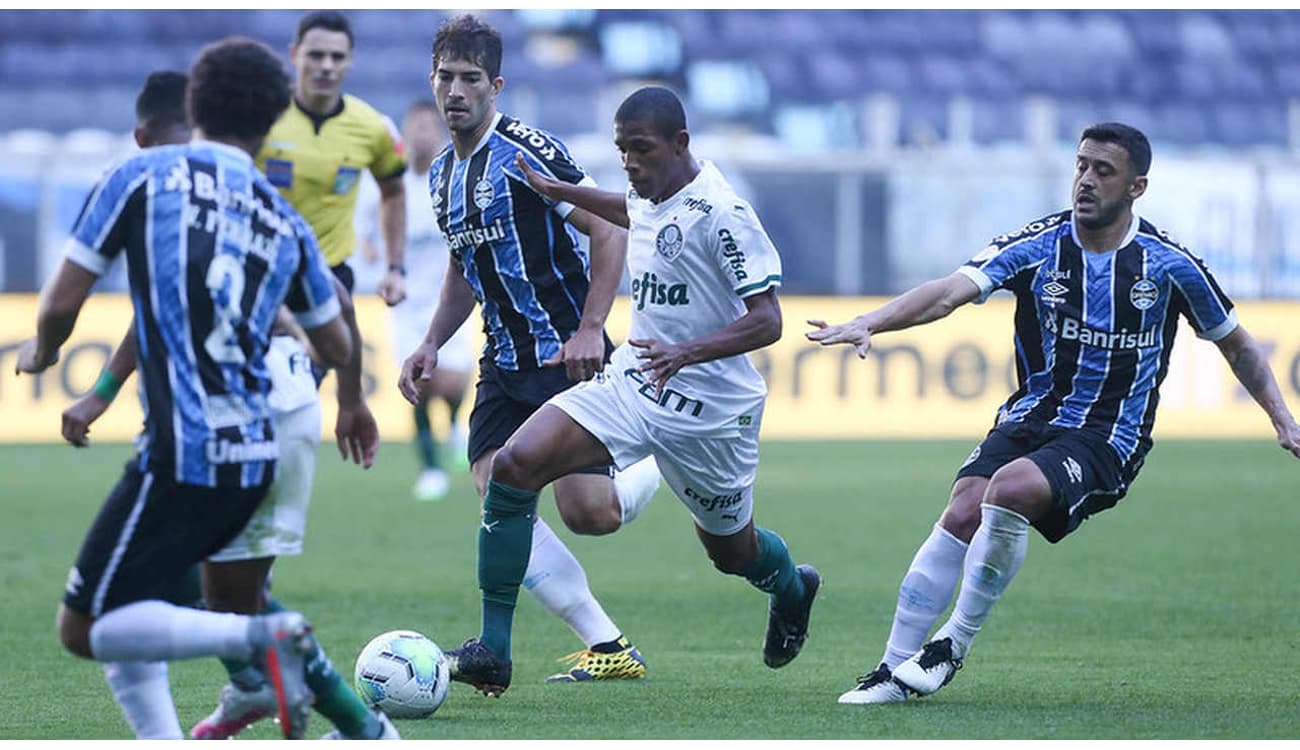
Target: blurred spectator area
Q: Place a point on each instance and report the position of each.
(813, 80)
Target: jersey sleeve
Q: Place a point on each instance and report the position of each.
(1008, 255)
(99, 234)
(548, 156)
(311, 298)
(389, 153)
(743, 251)
(1208, 310)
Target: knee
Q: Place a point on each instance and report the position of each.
(596, 519)
(514, 466)
(74, 632)
(1029, 499)
(962, 516)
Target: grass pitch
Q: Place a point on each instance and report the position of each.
(1171, 616)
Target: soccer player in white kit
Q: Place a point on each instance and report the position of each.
(426, 264)
(704, 279)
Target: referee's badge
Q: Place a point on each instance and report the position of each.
(669, 242)
(483, 194)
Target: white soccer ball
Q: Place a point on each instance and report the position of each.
(403, 674)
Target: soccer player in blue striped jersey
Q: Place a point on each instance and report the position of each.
(544, 302)
(1099, 291)
(212, 252)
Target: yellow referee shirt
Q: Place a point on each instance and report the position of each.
(316, 163)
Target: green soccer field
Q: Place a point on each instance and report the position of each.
(1172, 616)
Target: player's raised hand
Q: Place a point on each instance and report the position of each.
(855, 332)
(417, 374)
(78, 418)
(582, 356)
(541, 183)
(658, 361)
(357, 434)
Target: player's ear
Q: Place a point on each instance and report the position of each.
(498, 83)
(1138, 187)
(682, 141)
(141, 137)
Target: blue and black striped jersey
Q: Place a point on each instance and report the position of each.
(1094, 331)
(519, 255)
(212, 251)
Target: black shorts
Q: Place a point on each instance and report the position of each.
(149, 534)
(343, 272)
(504, 400)
(1085, 474)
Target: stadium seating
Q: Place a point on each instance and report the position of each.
(1192, 77)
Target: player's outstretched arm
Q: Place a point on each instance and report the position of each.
(355, 429)
(77, 418)
(392, 221)
(1250, 364)
(61, 302)
(611, 207)
(922, 304)
(760, 326)
(455, 303)
(583, 355)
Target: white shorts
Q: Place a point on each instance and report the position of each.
(408, 323)
(712, 476)
(277, 526)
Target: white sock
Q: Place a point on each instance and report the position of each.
(142, 690)
(556, 579)
(924, 594)
(635, 485)
(996, 552)
(157, 631)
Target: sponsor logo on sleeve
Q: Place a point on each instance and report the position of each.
(732, 252)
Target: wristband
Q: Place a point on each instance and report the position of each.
(107, 386)
(398, 267)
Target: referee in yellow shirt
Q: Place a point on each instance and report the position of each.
(315, 152)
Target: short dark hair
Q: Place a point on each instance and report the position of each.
(1130, 138)
(161, 102)
(238, 87)
(470, 38)
(656, 104)
(330, 20)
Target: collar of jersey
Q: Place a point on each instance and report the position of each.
(698, 180)
(318, 121)
(223, 147)
(1128, 236)
(482, 141)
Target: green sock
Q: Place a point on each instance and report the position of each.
(424, 441)
(773, 571)
(335, 700)
(505, 540)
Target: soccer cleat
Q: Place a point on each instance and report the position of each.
(929, 669)
(786, 635)
(284, 660)
(236, 711)
(587, 665)
(875, 687)
(432, 485)
(388, 731)
(475, 664)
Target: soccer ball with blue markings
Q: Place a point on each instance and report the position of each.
(403, 674)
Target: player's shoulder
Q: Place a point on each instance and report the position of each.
(539, 143)
(358, 109)
(1155, 239)
(1048, 226)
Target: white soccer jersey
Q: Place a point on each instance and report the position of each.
(292, 384)
(692, 260)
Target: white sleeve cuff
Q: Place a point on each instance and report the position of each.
(85, 257)
(319, 315)
(1228, 325)
(564, 209)
(981, 280)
